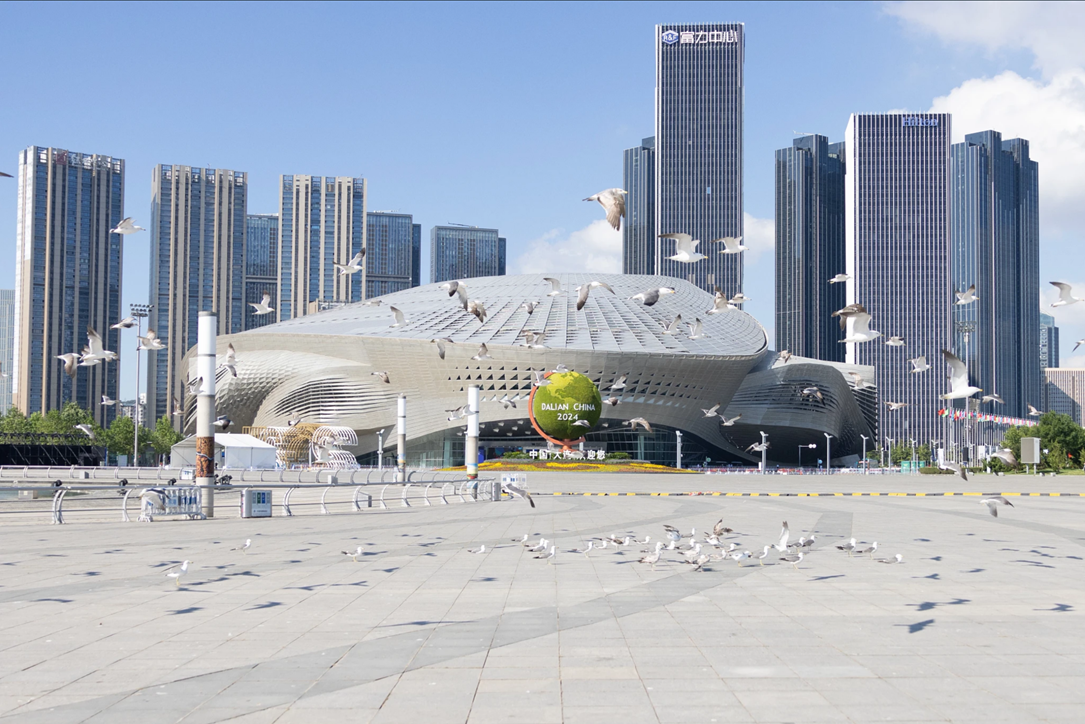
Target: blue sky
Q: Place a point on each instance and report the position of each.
(509, 115)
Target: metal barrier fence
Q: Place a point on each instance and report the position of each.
(361, 490)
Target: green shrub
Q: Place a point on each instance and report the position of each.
(617, 456)
(934, 471)
(515, 455)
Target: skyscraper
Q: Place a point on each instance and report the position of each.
(639, 226)
(416, 255)
(1049, 342)
(809, 247)
(261, 266)
(390, 256)
(897, 251)
(7, 344)
(462, 252)
(67, 276)
(996, 247)
(1064, 392)
(698, 147)
(198, 218)
(321, 222)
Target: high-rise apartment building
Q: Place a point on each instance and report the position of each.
(67, 277)
(7, 345)
(639, 226)
(1064, 392)
(996, 247)
(897, 251)
(698, 148)
(321, 222)
(462, 252)
(1049, 342)
(261, 266)
(416, 255)
(809, 247)
(390, 259)
(198, 218)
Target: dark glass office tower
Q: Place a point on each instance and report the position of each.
(1049, 343)
(462, 252)
(698, 147)
(639, 226)
(809, 247)
(897, 206)
(996, 246)
(261, 266)
(389, 259)
(416, 255)
(67, 277)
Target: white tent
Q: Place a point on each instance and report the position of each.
(232, 451)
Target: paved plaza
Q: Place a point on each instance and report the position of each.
(982, 622)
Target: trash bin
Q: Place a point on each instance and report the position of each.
(255, 503)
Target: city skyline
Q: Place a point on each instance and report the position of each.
(462, 166)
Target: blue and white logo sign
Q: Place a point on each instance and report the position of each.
(670, 37)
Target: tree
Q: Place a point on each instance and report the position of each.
(118, 438)
(15, 422)
(1057, 433)
(165, 437)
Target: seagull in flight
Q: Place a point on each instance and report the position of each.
(758, 447)
(127, 226)
(919, 364)
(812, 393)
(476, 307)
(383, 377)
(1033, 412)
(785, 533)
(529, 307)
(731, 245)
(455, 288)
(222, 423)
(95, 350)
(650, 297)
(1065, 295)
(967, 296)
(534, 340)
(634, 422)
(108, 401)
(721, 303)
(618, 384)
(584, 289)
(353, 266)
(895, 341)
(783, 355)
(955, 467)
(711, 411)
(401, 320)
(441, 342)
(894, 406)
(860, 383)
(1007, 457)
(729, 422)
(71, 362)
(673, 326)
(126, 323)
(613, 202)
(86, 430)
(993, 503)
(555, 286)
(685, 248)
(230, 360)
(264, 307)
(740, 298)
(858, 324)
(958, 379)
(150, 341)
(517, 491)
(992, 398)
(483, 353)
(840, 278)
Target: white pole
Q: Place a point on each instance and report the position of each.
(828, 453)
(678, 450)
(866, 465)
(470, 446)
(401, 439)
(135, 411)
(207, 330)
(764, 456)
(380, 450)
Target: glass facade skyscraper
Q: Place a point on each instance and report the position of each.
(639, 226)
(321, 222)
(809, 247)
(698, 148)
(261, 266)
(1049, 342)
(67, 277)
(198, 220)
(996, 246)
(7, 344)
(897, 251)
(462, 252)
(390, 253)
(416, 255)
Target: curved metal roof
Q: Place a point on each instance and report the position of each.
(608, 322)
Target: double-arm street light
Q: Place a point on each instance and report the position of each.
(866, 465)
(139, 311)
(811, 446)
(828, 453)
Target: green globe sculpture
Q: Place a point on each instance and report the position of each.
(568, 398)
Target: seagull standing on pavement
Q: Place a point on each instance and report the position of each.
(244, 547)
(175, 572)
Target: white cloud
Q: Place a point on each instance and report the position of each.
(1050, 114)
(595, 248)
(1051, 31)
(760, 236)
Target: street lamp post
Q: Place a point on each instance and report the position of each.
(677, 451)
(890, 441)
(913, 451)
(764, 448)
(866, 466)
(828, 453)
(380, 449)
(139, 311)
(811, 446)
